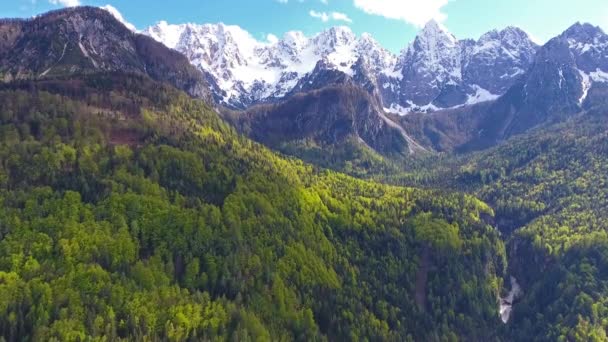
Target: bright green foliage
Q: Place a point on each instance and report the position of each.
(437, 233)
(549, 191)
(133, 212)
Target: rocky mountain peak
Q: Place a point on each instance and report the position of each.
(295, 40)
(583, 32)
(568, 72)
(436, 32)
(510, 36)
(432, 49)
(90, 40)
(436, 70)
(335, 38)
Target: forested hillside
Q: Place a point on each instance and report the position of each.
(130, 211)
(549, 192)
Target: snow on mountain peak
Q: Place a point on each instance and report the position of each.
(583, 31)
(165, 33)
(245, 70)
(434, 57)
(509, 35)
(435, 31)
(296, 39)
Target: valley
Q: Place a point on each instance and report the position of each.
(190, 182)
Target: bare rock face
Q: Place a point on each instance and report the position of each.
(327, 116)
(430, 65)
(87, 40)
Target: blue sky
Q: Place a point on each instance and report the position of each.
(392, 22)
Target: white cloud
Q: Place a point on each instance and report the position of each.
(325, 17)
(113, 11)
(66, 3)
(319, 15)
(341, 17)
(416, 12)
(272, 39)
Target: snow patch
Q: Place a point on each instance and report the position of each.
(86, 53)
(585, 84)
(599, 76)
(481, 95)
(398, 109)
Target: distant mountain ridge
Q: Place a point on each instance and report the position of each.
(436, 71)
(246, 71)
(437, 84)
(568, 76)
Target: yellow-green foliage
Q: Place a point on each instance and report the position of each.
(163, 224)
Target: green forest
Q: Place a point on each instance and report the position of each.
(133, 212)
(549, 191)
(383, 197)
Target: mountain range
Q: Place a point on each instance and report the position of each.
(435, 71)
(136, 204)
(439, 93)
(497, 86)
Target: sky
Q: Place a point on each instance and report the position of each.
(394, 23)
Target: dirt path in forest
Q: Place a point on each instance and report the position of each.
(422, 276)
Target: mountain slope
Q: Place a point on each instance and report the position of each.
(333, 116)
(546, 187)
(141, 214)
(89, 39)
(569, 75)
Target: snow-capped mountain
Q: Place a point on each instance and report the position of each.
(498, 58)
(246, 71)
(436, 71)
(566, 71)
(556, 81)
(569, 74)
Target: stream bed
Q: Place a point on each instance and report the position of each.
(506, 303)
